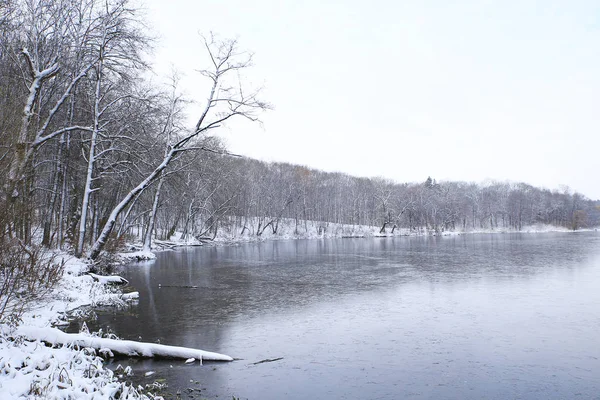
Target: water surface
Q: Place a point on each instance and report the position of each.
(504, 316)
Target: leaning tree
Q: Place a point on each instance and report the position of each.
(227, 99)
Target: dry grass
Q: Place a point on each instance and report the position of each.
(27, 273)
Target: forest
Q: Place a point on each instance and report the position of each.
(95, 153)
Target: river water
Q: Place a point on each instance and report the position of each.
(502, 316)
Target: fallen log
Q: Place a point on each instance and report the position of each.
(178, 286)
(130, 296)
(111, 279)
(128, 348)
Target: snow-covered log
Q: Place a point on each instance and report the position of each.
(121, 347)
(130, 296)
(138, 256)
(114, 279)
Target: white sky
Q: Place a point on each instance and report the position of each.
(456, 90)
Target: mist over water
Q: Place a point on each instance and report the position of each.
(473, 316)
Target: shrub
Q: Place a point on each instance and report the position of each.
(26, 273)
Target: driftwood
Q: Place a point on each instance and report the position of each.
(178, 286)
(266, 360)
(111, 347)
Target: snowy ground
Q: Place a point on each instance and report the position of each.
(72, 368)
(32, 370)
(74, 291)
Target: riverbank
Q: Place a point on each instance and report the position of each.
(31, 369)
(288, 229)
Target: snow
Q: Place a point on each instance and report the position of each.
(130, 296)
(536, 228)
(32, 370)
(229, 232)
(74, 291)
(73, 368)
(137, 255)
(122, 347)
(287, 229)
(105, 280)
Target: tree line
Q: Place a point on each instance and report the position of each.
(94, 152)
(250, 196)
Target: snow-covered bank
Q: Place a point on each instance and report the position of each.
(538, 228)
(230, 233)
(75, 290)
(30, 369)
(34, 371)
(292, 229)
(41, 362)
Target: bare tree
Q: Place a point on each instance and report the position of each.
(170, 130)
(117, 47)
(225, 101)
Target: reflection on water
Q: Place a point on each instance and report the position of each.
(475, 316)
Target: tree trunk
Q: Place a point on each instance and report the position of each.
(382, 230)
(50, 212)
(148, 236)
(112, 218)
(188, 219)
(90, 169)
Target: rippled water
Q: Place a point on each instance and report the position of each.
(504, 316)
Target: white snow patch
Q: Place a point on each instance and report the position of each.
(72, 292)
(130, 296)
(105, 280)
(138, 255)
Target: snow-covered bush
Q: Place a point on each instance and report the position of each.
(26, 274)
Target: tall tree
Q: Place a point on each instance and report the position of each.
(226, 100)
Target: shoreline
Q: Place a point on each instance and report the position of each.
(175, 242)
(31, 369)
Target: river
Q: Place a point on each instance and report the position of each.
(499, 316)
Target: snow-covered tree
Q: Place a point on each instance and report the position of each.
(227, 99)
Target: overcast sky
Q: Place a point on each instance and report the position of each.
(456, 90)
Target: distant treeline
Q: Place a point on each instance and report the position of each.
(268, 192)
